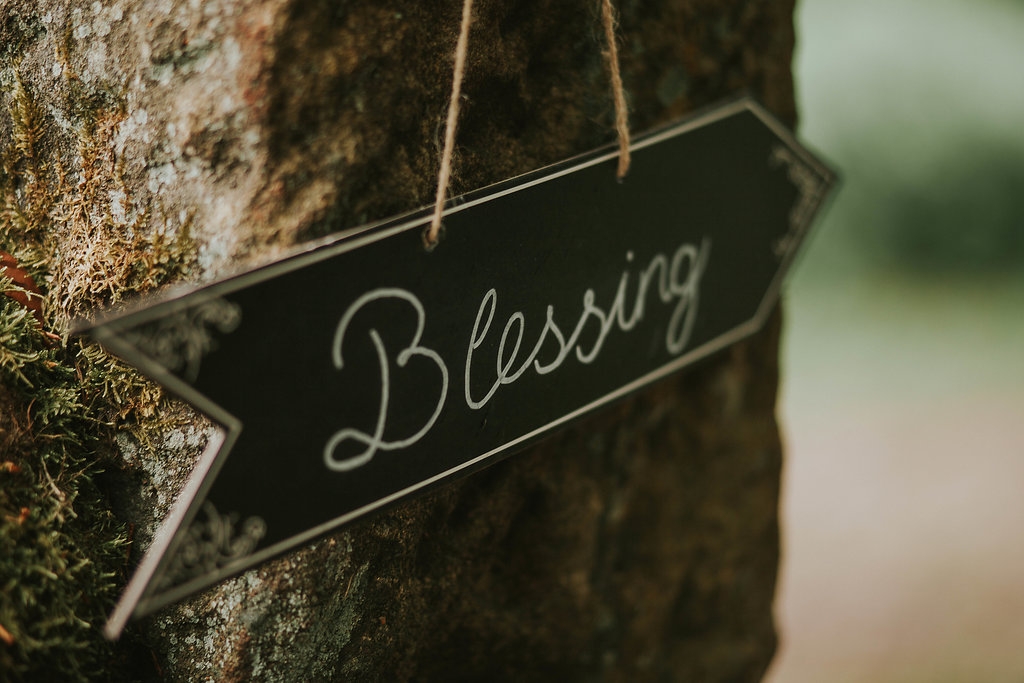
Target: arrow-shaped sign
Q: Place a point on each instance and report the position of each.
(366, 369)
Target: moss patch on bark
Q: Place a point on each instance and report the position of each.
(75, 229)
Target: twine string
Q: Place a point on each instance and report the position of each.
(611, 53)
(430, 237)
(621, 110)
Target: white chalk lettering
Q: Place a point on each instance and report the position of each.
(671, 281)
(677, 280)
(376, 442)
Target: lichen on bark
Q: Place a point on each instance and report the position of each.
(168, 141)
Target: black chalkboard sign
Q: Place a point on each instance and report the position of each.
(366, 368)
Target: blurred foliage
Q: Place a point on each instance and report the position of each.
(918, 103)
(963, 212)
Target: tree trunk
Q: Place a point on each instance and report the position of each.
(148, 143)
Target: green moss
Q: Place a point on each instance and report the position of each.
(63, 556)
(60, 549)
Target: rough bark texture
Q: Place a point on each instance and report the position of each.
(640, 544)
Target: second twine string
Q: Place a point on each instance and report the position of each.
(608, 19)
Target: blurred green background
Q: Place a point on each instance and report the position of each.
(921, 103)
(903, 394)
